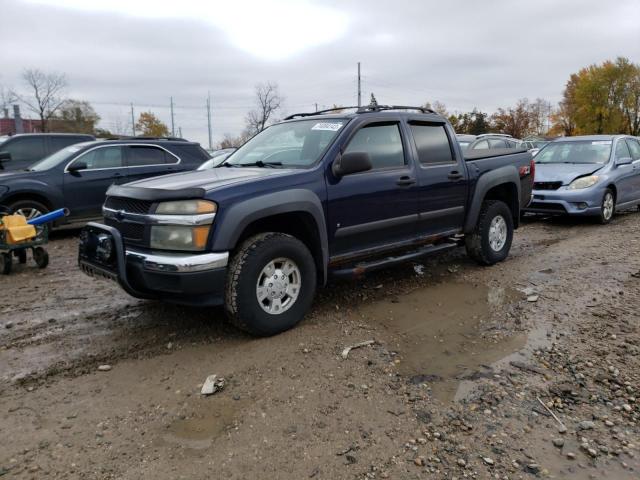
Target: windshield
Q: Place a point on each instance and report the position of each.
(296, 144)
(587, 151)
(54, 159)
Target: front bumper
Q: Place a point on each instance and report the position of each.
(193, 279)
(566, 202)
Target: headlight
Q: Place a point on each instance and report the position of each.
(583, 182)
(178, 237)
(186, 207)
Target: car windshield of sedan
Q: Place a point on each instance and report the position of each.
(296, 144)
(55, 158)
(587, 151)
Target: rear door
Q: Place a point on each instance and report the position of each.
(84, 190)
(377, 208)
(442, 179)
(145, 161)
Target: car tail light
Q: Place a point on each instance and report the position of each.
(532, 168)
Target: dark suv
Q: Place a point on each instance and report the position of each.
(78, 176)
(19, 151)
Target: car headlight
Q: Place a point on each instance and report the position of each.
(583, 182)
(179, 237)
(186, 207)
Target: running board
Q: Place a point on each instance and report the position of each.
(363, 267)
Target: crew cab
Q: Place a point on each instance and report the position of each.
(315, 196)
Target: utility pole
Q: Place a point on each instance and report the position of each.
(359, 87)
(133, 121)
(180, 132)
(316, 104)
(173, 130)
(209, 120)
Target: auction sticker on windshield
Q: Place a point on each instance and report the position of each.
(330, 126)
(601, 142)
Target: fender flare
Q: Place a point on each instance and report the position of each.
(242, 214)
(500, 176)
(37, 189)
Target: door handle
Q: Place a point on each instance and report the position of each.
(454, 175)
(405, 181)
(117, 175)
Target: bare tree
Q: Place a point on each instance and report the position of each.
(46, 93)
(268, 101)
(6, 98)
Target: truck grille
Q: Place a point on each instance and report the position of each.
(129, 231)
(547, 185)
(130, 205)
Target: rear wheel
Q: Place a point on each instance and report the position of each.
(607, 207)
(270, 284)
(41, 257)
(5, 263)
(490, 241)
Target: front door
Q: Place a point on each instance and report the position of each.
(634, 149)
(85, 189)
(442, 179)
(626, 174)
(376, 208)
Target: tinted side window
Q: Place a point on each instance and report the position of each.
(432, 144)
(383, 144)
(145, 155)
(105, 157)
(634, 148)
(622, 150)
(58, 143)
(192, 152)
(495, 143)
(26, 149)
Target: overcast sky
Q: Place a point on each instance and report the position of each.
(466, 54)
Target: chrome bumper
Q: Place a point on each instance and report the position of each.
(178, 262)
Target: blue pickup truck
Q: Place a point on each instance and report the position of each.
(314, 196)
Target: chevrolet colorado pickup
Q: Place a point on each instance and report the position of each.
(314, 196)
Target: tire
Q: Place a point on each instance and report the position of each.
(607, 207)
(21, 255)
(5, 263)
(41, 257)
(29, 208)
(247, 272)
(493, 214)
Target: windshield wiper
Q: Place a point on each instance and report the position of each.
(260, 164)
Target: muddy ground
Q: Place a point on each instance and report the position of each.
(527, 369)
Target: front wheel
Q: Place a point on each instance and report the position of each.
(491, 239)
(607, 207)
(270, 284)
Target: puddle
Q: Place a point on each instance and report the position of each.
(438, 331)
(199, 430)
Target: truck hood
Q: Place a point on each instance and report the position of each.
(208, 179)
(564, 172)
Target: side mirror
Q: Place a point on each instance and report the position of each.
(624, 161)
(77, 166)
(4, 156)
(348, 163)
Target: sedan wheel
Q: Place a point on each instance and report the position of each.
(608, 207)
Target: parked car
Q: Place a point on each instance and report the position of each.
(590, 175)
(487, 141)
(465, 140)
(217, 158)
(316, 195)
(78, 176)
(17, 152)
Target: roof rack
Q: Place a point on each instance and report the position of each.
(144, 137)
(363, 109)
